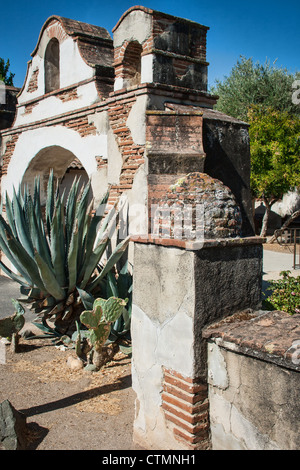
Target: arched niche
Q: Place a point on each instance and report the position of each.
(132, 64)
(51, 66)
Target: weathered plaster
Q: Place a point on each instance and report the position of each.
(136, 26)
(30, 143)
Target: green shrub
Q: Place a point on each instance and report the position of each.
(285, 294)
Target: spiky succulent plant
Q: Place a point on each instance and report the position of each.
(58, 256)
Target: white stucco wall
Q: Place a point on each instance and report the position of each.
(30, 143)
(73, 69)
(53, 106)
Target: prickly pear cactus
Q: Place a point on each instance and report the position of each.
(14, 323)
(99, 321)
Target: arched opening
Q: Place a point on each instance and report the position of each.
(51, 66)
(65, 168)
(132, 64)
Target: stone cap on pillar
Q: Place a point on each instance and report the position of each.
(197, 207)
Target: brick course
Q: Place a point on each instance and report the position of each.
(185, 405)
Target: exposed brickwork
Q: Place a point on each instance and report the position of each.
(29, 107)
(82, 126)
(127, 62)
(101, 162)
(132, 154)
(55, 30)
(175, 148)
(33, 82)
(9, 150)
(68, 95)
(185, 404)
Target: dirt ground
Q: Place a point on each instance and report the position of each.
(65, 409)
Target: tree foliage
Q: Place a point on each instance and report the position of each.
(5, 75)
(275, 154)
(252, 83)
(262, 95)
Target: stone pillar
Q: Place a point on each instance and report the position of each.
(179, 289)
(187, 274)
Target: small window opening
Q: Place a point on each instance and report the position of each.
(52, 66)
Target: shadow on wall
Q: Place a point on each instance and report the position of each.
(226, 146)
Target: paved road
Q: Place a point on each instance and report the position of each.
(274, 262)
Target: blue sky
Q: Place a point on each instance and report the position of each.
(259, 29)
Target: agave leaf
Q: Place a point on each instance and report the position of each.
(108, 224)
(92, 262)
(50, 200)
(50, 332)
(89, 244)
(81, 216)
(21, 225)
(58, 308)
(57, 247)
(112, 260)
(37, 234)
(49, 302)
(25, 260)
(7, 252)
(126, 349)
(124, 281)
(48, 278)
(86, 298)
(71, 210)
(72, 258)
(13, 276)
(10, 214)
(33, 293)
(112, 287)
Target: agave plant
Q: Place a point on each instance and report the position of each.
(56, 256)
